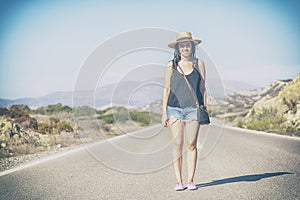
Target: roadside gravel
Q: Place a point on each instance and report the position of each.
(16, 161)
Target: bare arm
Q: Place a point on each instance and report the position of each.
(203, 81)
(166, 93)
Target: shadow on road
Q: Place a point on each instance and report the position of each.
(249, 178)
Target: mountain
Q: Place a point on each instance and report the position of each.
(232, 86)
(132, 93)
(52, 98)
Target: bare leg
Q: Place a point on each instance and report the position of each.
(176, 130)
(192, 129)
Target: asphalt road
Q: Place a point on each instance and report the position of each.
(232, 164)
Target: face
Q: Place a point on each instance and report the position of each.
(185, 48)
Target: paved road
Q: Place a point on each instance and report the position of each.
(243, 165)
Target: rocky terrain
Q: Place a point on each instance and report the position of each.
(277, 113)
(238, 104)
(24, 138)
(21, 132)
(275, 108)
(27, 134)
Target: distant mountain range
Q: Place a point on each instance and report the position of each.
(132, 93)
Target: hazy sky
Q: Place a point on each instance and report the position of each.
(43, 44)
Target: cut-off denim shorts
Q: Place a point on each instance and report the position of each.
(184, 114)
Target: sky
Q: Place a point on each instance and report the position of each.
(44, 44)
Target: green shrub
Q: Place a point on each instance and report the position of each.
(84, 111)
(266, 120)
(142, 117)
(22, 118)
(121, 114)
(101, 112)
(109, 119)
(240, 124)
(51, 109)
(4, 112)
(21, 107)
(65, 126)
(44, 128)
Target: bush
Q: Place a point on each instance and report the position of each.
(142, 117)
(65, 126)
(52, 109)
(22, 107)
(44, 128)
(109, 119)
(55, 128)
(4, 112)
(240, 124)
(120, 114)
(84, 111)
(22, 118)
(266, 120)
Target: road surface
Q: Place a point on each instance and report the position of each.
(242, 165)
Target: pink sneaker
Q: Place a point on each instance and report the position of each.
(179, 186)
(191, 186)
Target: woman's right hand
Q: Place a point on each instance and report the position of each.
(165, 121)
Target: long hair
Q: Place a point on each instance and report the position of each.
(177, 56)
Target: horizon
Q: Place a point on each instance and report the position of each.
(245, 84)
(44, 45)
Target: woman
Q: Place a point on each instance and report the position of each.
(179, 107)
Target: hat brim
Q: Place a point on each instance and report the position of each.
(173, 44)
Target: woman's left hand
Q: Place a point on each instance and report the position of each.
(202, 107)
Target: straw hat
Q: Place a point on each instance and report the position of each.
(183, 37)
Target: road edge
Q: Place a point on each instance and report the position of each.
(258, 132)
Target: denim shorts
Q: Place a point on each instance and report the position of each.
(184, 114)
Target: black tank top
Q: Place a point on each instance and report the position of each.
(180, 94)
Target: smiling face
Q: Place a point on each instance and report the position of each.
(185, 49)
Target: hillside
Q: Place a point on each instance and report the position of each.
(239, 103)
(24, 130)
(277, 113)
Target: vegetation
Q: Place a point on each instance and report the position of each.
(265, 120)
(84, 111)
(121, 115)
(141, 117)
(269, 120)
(20, 116)
(24, 130)
(55, 127)
(278, 114)
(51, 109)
